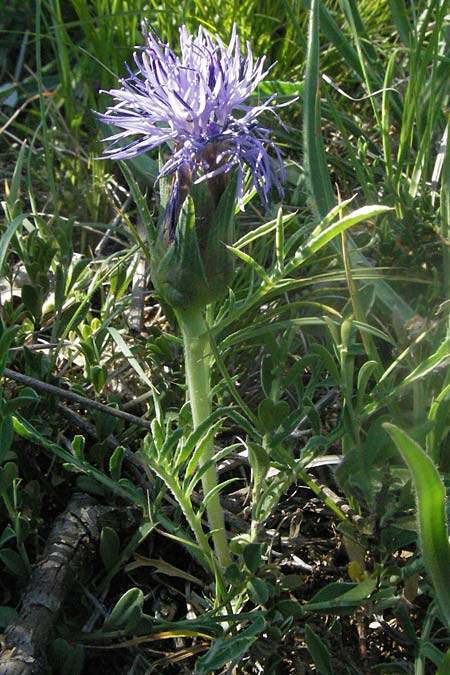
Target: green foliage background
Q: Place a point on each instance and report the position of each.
(334, 342)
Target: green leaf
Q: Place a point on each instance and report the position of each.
(430, 501)
(75, 272)
(6, 338)
(432, 653)
(258, 591)
(284, 89)
(290, 609)
(88, 484)
(66, 659)
(259, 462)
(14, 188)
(32, 298)
(124, 490)
(12, 560)
(144, 166)
(328, 362)
(232, 649)
(292, 582)
(444, 667)
(127, 611)
(6, 436)
(262, 230)
(272, 414)
(128, 354)
(340, 40)
(268, 369)
(438, 417)
(27, 396)
(7, 534)
(322, 236)
(400, 16)
(78, 444)
(8, 235)
(140, 199)
(97, 376)
(234, 575)
(72, 317)
(251, 262)
(394, 668)
(197, 440)
(217, 261)
(115, 462)
(109, 547)
(440, 359)
(316, 168)
(364, 375)
(252, 556)
(339, 596)
(177, 268)
(319, 652)
(8, 475)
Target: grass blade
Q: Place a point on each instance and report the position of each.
(8, 235)
(316, 169)
(430, 500)
(320, 237)
(398, 11)
(315, 159)
(339, 39)
(318, 651)
(140, 202)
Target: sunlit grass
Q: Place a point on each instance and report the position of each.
(329, 331)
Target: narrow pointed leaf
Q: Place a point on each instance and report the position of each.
(430, 500)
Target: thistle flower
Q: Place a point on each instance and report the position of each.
(196, 103)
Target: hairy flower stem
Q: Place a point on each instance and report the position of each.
(196, 345)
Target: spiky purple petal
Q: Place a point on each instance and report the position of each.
(194, 102)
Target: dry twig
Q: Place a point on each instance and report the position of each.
(72, 541)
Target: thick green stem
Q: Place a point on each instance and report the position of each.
(196, 347)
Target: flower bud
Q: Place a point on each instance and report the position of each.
(191, 265)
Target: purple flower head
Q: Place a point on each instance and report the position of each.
(195, 102)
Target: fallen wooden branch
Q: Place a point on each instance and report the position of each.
(73, 540)
(88, 403)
